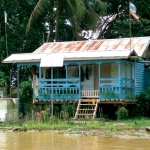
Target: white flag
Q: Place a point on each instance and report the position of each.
(5, 16)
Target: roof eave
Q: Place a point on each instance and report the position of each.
(97, 58)
(22, 61)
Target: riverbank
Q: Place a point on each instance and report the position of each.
(123, 129)
(123, 134)
(140, 133)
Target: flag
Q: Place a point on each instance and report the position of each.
(5, 16)
(133, 11)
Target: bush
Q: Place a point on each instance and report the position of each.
(69, 109)
(26, 95)
(143, 104)
(122, 113)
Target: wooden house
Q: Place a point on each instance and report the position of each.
(104, 70)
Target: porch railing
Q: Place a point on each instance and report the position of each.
(90, 93)
(63, 89)
(70, 89)
(116, 88)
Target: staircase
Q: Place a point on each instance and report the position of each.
(86, 109)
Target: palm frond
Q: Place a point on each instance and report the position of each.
(40, 10)
(94, 10)
(100, 7)
(75, 8)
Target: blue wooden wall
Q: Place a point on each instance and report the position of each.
(140, 77)
(147, 79)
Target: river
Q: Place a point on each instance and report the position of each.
(49, 140)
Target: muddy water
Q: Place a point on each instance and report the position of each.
(54, 141)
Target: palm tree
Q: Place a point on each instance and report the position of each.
(75, 11)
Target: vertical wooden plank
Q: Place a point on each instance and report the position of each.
(18, 68)
(52, 91)
(126, 65)
(119, 77)
(40, 75)
(79, 67)
(131, 70)
(139, 77)
(99, 66)
(66, 67)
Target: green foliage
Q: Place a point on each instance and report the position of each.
(69, 109)
(130, 96)
(72, 131)
(3, 78)
(26, 95)
(18, 12)
(120, 11)
(77, 13)
(122, 113)
(44, 116)
(108, 94)
(143, 104)
(26, 92)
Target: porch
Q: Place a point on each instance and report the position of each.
(71, 91)
(105, 80)
(99, 79)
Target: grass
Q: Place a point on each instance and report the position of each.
(58, 124)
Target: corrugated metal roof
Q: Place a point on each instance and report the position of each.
(93, 49)
(138, 44)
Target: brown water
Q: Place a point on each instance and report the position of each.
(54, 141)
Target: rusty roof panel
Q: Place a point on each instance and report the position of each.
(72, 47)
(91, 45)
(100, 49)
(79, 45)
(95, 45)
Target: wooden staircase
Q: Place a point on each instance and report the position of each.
(86, 109)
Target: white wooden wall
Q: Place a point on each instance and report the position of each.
(88, 84)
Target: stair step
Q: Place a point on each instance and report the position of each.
(86, 100)
(89, 110)
(86, 109)
(88, 104)
(84, 114)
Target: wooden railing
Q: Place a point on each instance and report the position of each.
(59, 82)
(59, 93)
(63, 89)
(70, 89)
(115, 88)
(90, 93)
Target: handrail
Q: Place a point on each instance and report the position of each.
(65, 80)
(90, 93)
(61, 93)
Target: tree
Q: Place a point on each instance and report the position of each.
(18, 13)
(75, 12)
(118, 26)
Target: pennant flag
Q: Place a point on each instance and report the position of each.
(5, 16)
(133, 11)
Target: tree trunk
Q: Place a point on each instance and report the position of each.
(51, 24)
(57, 21)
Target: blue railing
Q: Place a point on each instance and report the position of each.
(60, 89)
(70, 89)
(114, 88)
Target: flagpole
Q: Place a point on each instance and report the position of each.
(130, 26)
(5, 16)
